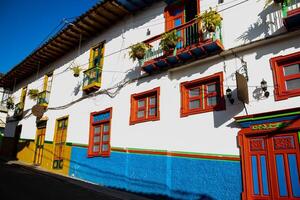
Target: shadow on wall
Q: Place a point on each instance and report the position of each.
(232, 110)
(269, 23)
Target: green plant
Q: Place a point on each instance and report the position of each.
(210, 19)
(10, 103)
(137, 51)
(33, 93)
(169, 40)
(269, 2)
(76, 71)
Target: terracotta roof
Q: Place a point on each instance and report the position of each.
(100, 17)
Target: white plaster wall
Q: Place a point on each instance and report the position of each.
(212, 132)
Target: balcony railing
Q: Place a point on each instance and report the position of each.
(43, 98)
(291, 14)
(193, 44)
(92, 79)
(18, 109)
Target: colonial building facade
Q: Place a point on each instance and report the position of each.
(216, 116)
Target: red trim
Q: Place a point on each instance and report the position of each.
(99, 124)
(216, 78)
(179, 154)
(269, 152)
(277, 64)
(134, 106)
(295, 11)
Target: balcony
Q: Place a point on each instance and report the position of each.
(291, 14)
(92, 79)
(18, 110)
(193, 45)
(43, 98)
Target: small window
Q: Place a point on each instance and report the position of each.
(99, 142)
(97, 55)
(286, 74)
(145, 106)
(202, 95)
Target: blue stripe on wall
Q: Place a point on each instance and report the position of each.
(248, 123)
(264, 175)
(294, 174)
(255, 175)
(281, 175)
(176, 177)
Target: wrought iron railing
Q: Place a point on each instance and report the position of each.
(92, 75)
(289, 5)
(43, 98)
(190, 33)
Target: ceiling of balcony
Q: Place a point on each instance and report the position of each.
(100, 17)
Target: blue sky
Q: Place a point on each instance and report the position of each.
(24, 24)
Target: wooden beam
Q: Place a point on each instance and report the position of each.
(49, 54)
(53, 52)
(110, 9)
(69, 37)
(42, 56)
(107, 14)
(80, 31)
(56, 49)
(94, 16)
(63, 41)
(86, 28)
(120, 7)
(94, 23)
(61, 45)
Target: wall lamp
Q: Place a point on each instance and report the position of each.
(264, 87)
(229, 95)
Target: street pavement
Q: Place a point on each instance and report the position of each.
(21, 182)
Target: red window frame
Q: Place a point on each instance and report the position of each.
(169, 18)
(99, 124)
(202, 84)
(277, 65)
(145, 96)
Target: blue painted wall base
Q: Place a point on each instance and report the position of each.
(179, 178)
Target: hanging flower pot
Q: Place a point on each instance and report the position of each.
(139, 54)
(211, 28)
(138, 51)
(33, 93)
(10, 103)
(76, 71)
(169, 40)
(210, 19)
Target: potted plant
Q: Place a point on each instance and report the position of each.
(169, 40)
(76, 71)
(10, 103)
(138, 51)
(268, 2)
(33, 93)
(210, 19)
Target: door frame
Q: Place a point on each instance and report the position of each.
(269, 123)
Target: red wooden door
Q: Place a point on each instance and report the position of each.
(272, 167)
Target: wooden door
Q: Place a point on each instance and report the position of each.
(39, 146)
(272, 167)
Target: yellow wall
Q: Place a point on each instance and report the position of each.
(26, 151)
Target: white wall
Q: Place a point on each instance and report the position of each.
(212, 132)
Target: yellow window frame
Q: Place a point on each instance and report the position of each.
(94, 52)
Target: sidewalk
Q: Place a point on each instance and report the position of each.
(116, 194)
